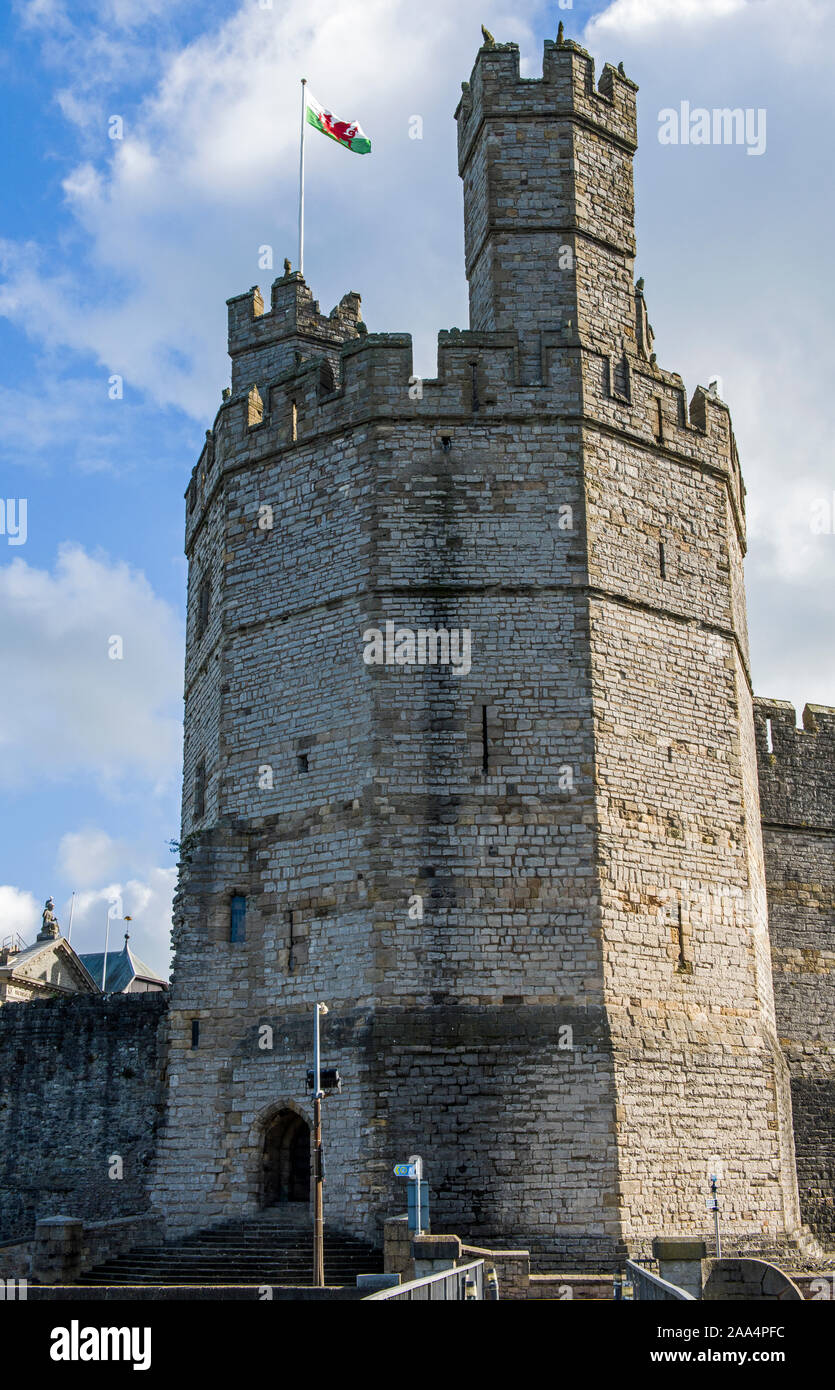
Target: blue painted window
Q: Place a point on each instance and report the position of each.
(237, 919)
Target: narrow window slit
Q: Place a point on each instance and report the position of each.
(683, 964)
(200, 790)
(237, 918)
(291, 943)
(485, 746)
(679, 930)
(298, 942)
(204, 599)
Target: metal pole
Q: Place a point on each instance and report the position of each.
(301, 180)
(72, 909)
(318, 1215)
(318, 1175)
(714, 1187)
(104, 962)
(317, 1077)
(417, 1161)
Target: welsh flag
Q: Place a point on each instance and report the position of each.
(347, 133)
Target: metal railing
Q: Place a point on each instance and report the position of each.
(649, 1286)
(13, 942)
(457, 1284)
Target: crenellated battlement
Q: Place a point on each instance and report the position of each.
(546, 163)
(266, 343)
(795, 765)
(567, 87)
(287, 391)
(480, 372)
(576, 811)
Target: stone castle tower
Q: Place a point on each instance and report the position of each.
(532, 893)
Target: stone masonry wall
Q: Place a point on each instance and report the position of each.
(531, 893)
(81, 1079)
(504, 862)
(797, 787)
(685, 956)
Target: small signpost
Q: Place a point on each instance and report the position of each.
(412, 1193)
(413, 1170)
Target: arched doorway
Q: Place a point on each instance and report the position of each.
(286, 1159)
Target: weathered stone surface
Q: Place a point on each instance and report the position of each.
(81, 1082)
(532, 893)
(667, 1248)
(797, 790)
(748, 1281)
(582, 1015)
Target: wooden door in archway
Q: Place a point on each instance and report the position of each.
(286, 1160)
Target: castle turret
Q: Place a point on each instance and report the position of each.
(469, 742)
(548, 198)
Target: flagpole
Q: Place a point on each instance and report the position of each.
(106, 941)
(301, 183)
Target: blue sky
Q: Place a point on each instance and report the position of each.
(117, 256)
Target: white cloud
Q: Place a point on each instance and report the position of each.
(734, 261)
(89, 855)
(50, 14)
(640, 15)
(791, 632)
(19, 912)
(99, 46)
(66, 411)
(146, 899)
(171, 219)
(68, 709)
(766, 23)
(60, 420)
(174, 213)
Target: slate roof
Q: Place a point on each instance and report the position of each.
(122, 967)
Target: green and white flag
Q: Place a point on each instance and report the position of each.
(347, 133)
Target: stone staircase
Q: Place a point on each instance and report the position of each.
(274, 1247)
(799, 1251)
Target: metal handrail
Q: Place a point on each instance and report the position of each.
(453, 1282)
(654, 1286)
(13, 942)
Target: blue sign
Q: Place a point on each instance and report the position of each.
(404, 1170)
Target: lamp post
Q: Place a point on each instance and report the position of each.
(318, 1166)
